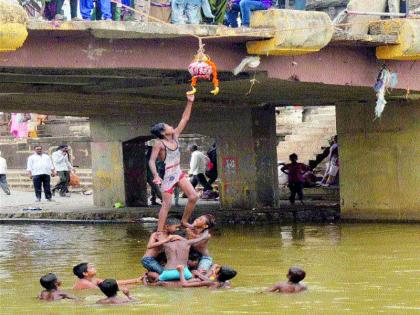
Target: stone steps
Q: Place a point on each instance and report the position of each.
(19, 180)
(304, 131)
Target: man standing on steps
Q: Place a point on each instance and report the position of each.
(63, 168)
(198, 165)
(295, 171)
(40, 169)
(3, 179)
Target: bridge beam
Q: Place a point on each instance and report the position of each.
(379, 162)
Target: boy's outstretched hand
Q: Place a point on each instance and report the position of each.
(191, 98)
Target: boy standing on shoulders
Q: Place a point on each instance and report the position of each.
(166, 148)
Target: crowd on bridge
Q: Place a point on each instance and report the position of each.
(231, 13)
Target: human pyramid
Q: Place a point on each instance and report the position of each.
(177, 254)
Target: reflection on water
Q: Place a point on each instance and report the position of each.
(350, 268)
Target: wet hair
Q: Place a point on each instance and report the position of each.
(172, 221)
(109, 287)
(49, 281)
(296, 274)
(157, 130)
(210, 220)
(161, 258)
(80, 269)
(293, 156)
(194, 255)
(226, 273)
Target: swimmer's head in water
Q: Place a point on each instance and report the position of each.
(206, 221)
(49, 282)
(193, 259)
(162, 130)
(172, 225)
(225, 273)
(84, 270)
(109, 287)
(295, 274)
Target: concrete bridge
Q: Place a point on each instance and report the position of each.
(127, 76)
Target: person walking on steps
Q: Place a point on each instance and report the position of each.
(3, 178)
(63, 168)
(40, 169)
(198, 165)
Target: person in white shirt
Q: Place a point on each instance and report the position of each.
(63, 168)
(198, 165)
(3, 178)
(40, 170)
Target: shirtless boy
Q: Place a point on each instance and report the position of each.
(52, 292)
(167, 150)
(86, 274)
(155, 245)
(295, 275)
(110, 288)
(198, 227)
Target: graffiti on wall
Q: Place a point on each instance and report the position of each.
(230, 166)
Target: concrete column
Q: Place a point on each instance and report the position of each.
(247, 160)
(107, 173)
(379, 162)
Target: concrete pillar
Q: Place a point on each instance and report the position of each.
(247, 160)
(107, 173)
(379, 162)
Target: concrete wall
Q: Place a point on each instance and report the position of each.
(380, 162)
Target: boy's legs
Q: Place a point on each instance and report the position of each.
(163, 212)
(151, 264)
(189, 190)
(37, 186)
(299, 190)
(106, 9)
(232, 16)
(292, 187)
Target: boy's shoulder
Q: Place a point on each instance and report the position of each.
(81, 284)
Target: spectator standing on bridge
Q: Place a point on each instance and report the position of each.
(63, 168)
(86, 8)
(3, 178)
(247, 6)
(198, 165)
(232, 13)
(40, 169)
(295, 171)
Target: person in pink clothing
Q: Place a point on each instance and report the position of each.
(18, 125)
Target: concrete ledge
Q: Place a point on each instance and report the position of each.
(297, 32)
(142, 30)
(325, 212)
(408, 38)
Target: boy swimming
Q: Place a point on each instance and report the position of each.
(110, 288)
(295, 275)
(52, 292)
(155, 248)
(86, 274)
(167, 150)
(198, 227)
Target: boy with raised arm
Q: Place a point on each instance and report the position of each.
(167, 150)
(110, 288)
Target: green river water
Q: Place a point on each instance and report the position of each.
(351, 269)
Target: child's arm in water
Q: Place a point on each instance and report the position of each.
(127, 294)
(65, 295)
(130, 281)
(276, 288)
(185, 116)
